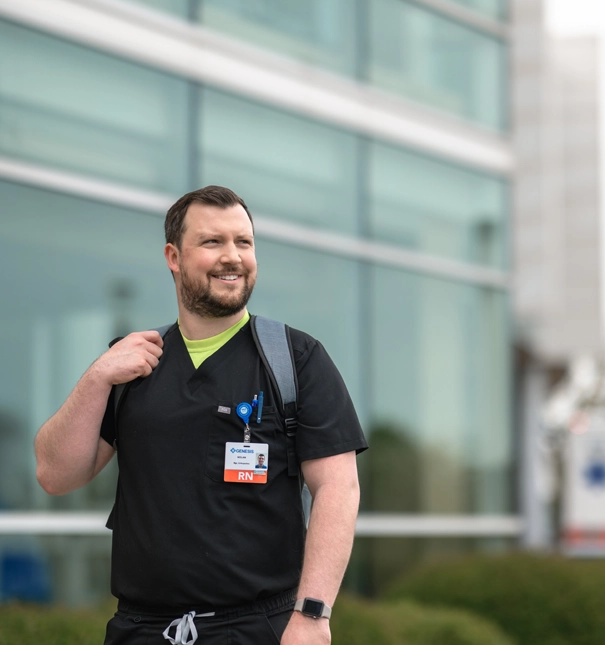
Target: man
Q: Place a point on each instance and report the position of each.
(261, 461)
(192, 556)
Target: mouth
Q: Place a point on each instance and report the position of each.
(228, 277)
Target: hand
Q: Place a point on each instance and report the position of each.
(137, 354)
(304, 630)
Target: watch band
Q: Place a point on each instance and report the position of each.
(313, 608)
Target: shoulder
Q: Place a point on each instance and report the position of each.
(169, 332)
(305, 347)
(164, 331)
(301, 341)
(308, 350)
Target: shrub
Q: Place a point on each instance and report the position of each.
(51, 625)
(356, 622)
(537, 600)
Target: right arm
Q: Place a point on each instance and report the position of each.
(69, 449)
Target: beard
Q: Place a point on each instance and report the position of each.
(198, 298)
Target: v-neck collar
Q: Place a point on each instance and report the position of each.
(196, 377)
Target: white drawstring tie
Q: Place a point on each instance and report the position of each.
(183, 626)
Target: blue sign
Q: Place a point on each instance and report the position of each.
(595, 473)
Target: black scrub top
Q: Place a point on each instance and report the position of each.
(182, 537)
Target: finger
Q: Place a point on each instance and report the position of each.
(152, 361)
(153, 349)
(152, 336)
(146, 370)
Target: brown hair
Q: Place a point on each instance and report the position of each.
(174, 225)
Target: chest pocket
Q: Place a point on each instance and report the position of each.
(229, 427)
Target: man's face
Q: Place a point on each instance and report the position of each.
(216, 263)
(261, 460)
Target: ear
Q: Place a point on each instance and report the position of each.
(171, 253)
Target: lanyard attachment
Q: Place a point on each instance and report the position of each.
(243, 411)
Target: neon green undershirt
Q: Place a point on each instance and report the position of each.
(200, 350)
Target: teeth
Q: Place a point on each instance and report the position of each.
(227, 277)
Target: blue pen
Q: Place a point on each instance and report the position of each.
(259, 409)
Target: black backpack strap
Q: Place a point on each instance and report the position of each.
(120, 389)
(272, 339)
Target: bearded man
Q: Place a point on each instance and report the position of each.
(195, 554)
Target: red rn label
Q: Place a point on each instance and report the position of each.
(245, 477)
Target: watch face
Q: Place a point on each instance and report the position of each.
(312, 607)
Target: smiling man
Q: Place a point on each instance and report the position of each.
(192, 555)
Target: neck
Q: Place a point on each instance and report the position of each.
(196, 327)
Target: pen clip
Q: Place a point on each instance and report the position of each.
(259, 408)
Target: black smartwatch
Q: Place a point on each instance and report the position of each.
(313, 608)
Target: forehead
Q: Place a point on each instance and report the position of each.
(201, 219)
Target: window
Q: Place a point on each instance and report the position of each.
(495, 9)
(282, 165)
(73, 108)
(444, 64)
(436, 207)
(77, 274)
(315, 32)
(440, 431)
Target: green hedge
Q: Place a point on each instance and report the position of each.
(357, 622)
(538, 600)
(354, 622)
(51, 625)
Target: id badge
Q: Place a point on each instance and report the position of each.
(246, 463)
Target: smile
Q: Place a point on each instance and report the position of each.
(227, 278)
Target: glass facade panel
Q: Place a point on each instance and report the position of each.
(496, 9)
(444, 64)
(283, 165)
(397, 45)
(70, 107)
(316, 32)
(440, 431)
(179, 8)
(77, 274)
(437, 208)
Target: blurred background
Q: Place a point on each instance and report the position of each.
(426, 178)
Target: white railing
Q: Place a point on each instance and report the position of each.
(368, 524)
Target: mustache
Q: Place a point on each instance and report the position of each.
(228, 270)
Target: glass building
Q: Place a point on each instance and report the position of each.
(369, 139)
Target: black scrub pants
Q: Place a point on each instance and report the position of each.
(261, 623)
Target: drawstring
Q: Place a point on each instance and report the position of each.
(183, 626)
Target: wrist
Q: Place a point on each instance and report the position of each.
(312, 608)
(99, 375)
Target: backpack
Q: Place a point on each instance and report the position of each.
(272, 340)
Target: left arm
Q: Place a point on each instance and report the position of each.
(334, 486)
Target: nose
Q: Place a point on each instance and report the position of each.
(230, 254)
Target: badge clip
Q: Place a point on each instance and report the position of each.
(243, 411)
